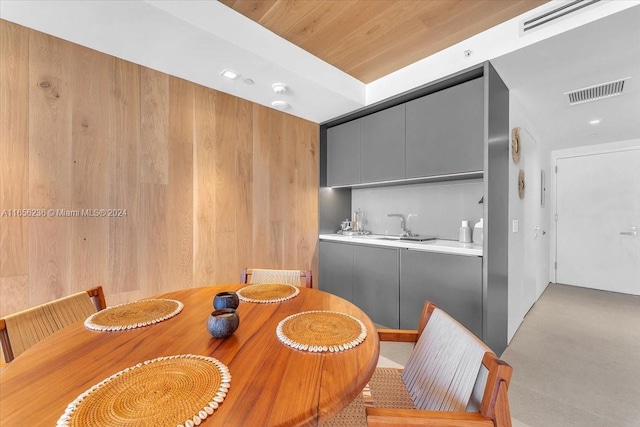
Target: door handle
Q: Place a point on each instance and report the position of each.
(536, 232)
(633, 232)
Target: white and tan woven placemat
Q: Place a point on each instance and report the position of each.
(267, 293)
(176, 390)
(321, 331)
(133, 315)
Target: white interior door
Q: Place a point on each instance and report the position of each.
(598, 221)
(534, 229)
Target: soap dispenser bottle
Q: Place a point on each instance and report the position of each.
(465, 232)
(478, 233)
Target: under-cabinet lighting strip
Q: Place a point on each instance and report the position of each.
(409, 180)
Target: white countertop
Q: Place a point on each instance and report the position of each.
(442, 246)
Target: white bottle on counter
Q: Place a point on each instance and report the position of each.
(478, 233)
(465, 232)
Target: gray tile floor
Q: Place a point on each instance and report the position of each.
(576, 360)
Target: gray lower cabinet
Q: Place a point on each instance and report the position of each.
(445, 131)
(452, 282)
(365, 276)
(382, 145)
(336, 269)
(343, 154)
(375, 284)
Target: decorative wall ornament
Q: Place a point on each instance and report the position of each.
(521, 184)
(515, 144)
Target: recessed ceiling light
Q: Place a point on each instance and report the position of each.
(248, 81)
(595, 121)
(229, 74)
(279, 88)
(280, 105)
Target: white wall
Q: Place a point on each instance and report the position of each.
(528, 264)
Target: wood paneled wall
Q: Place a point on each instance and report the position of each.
(210, 182)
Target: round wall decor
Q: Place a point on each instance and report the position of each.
(515, 144)
(521, 184)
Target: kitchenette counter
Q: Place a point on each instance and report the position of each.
(438, 245)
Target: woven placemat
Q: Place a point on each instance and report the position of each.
(266, 293)
(167, 391)
(321, 331)
(133, 315)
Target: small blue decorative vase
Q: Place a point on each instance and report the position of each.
(225, 300)
(222, 323)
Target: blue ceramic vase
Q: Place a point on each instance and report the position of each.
(222, 323)
(225, 300)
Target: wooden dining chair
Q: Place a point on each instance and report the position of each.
(300, 278)
(21, 330)
(451, 379)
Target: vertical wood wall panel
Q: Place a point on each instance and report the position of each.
(154, 148)
(308, 159)
(276, 179)
(14, 151)
(204, 191)
(225, 181)
(154, 177)
(244, 186)
(261, 200)
(152, 249)
(92, 74)
(290, 195)
(210, 183)
(15, 294)
(123, 186)
(275, 145)
(50, 178)
(180, 188)
(224, 167)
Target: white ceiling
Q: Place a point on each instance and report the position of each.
(195, 40)
(599, 52)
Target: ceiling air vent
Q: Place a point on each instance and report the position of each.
(567, 8)
(593, 93)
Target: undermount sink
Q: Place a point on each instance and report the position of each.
(367, 235)
(379, 237)
(418, 238)
(408, 238)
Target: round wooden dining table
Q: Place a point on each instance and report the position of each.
(272, 384)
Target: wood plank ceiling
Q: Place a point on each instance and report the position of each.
(369, 39)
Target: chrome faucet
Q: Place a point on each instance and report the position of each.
(403, 226)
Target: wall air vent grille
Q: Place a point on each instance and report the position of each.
(567, 8)
(593, 93)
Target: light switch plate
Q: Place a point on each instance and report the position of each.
(515, 225)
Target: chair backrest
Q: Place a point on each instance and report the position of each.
(21, 330)
(450, 369)
(300, 278)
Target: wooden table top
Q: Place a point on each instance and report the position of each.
(272, 385)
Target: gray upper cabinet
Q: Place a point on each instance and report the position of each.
(445, 131)
(439, 134)
(382, 145)
(343, 154)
